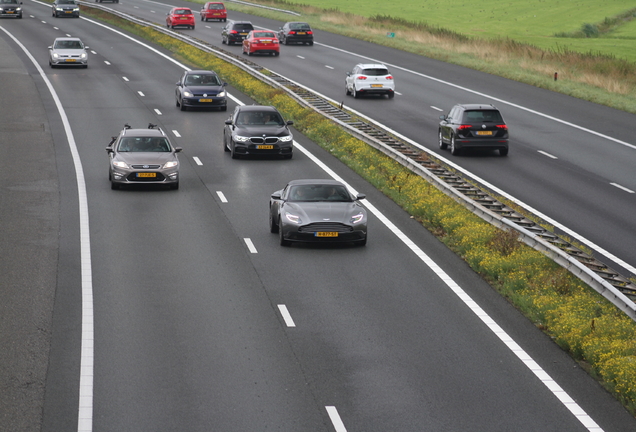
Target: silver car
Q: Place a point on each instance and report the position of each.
(143, 156)
(68, 51)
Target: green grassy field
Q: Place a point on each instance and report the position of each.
(530, 21)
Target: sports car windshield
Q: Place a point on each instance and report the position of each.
(144, 144)
(315, 193)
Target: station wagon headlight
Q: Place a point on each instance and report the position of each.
(293, 218)
(285, 138)
(171, 164)
(357, 218)
(120, 164)
(241, 138)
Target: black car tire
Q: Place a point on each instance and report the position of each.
(356, 95)
(310, 43)
(347, 91)
(391, 95)
(276, 54)
(503, 152)
(442, 144)
(176, 102)
(285, 41)
(281, 237)
(273, 226)
(288, 156)
(453, 147)
(113, 185)
(174, 186)
(362, 242)
(223, 40)
(233, 153)
(224, 108)
(182, 106)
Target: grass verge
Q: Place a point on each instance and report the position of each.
(581, 321)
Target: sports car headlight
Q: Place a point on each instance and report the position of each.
(187, 94)
(293, 218)
(241, 138)
(285, 138)
(120, 164)
(171, 164)
(357, 218)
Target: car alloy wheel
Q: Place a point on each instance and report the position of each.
(453, 147)
(281, 237)
(233, 152)
(273, 226)
(442, 144)
(347, 91)
(356, 95)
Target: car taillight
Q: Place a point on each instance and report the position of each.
(389, 77)
(310, 32)
(462, 127)
(504, 127)
(233, 31)
(292, 32)
(361, 77)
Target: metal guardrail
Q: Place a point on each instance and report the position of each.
(617, 288)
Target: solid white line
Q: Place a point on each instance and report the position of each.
(547, 154)
(574, 408)
(335, 419)
(176, 133)
(250, 245)
(197, 160)
(85, 408)
(286, 315)
(221, 196)
(622, 187)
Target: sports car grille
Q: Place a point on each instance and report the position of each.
(146, 166)
(266, 140)
(325, 226)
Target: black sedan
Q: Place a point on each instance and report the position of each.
(257, 130)
(296, 32)
(317, 211)
(473, 126)
(200, 89)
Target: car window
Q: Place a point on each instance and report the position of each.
(66, 2)
(271, 118)
(182, 12)
(216, 6)
(264, 34)
(375, 72)
(143, 144)
(299, 26)
(333, 193)
(479, 116)
(243, 27)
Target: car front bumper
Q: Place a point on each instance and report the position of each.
(11, 14)
(204, 102)
(247, 149)
(125, 177)
(69, 62)
(345, 234)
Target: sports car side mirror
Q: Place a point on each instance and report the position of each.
(360, 196)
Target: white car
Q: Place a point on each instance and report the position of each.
(370, 78)
(68, 51)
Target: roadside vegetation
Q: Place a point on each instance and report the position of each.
(582, 322)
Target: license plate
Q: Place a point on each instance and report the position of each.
(243, 34)
(146, 174)
(484, 132)
(376, 85)
(9, 12)
(302, 32)
(205, 100)
(184, 18)
(326, 234)
(216, 14)
(266, 42)
(68, 11)
(265, 147)
(70, 60)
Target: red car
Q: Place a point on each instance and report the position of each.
(180, 17)
(214, 11)
(261, 41)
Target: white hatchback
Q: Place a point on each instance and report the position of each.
(369, 78)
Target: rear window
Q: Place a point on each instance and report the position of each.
(482, 116)
(264, 34)
(375, 72)
(299, 26)
(243, 27)
(216, 6)
(183, 12)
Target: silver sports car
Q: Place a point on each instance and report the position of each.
(317, 211)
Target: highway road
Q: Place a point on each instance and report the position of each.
(201, 320)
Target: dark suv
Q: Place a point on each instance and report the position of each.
(473, 126)
(235, 31)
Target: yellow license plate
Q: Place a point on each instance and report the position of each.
(265, 147)
(146, 174)
(484, 132)
(9, 11)
(302, 33)
(376, 85)
(205, 100)
(68, 11)
(266, 42)
(70, 60)
(243, 34)
(326, 234)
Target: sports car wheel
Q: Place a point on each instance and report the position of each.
(281, 237)
(273, 226)
(453, 147)
(441, 142)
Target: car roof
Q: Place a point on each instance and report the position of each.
(315, 182)
(371, 65)
(257, 108)
(296, 22)
(200, 72)
(67, 39)
(478, 106)
(143, 132)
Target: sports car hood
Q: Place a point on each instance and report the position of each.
(146, 158)
(260, 130)
(324, 211)
(210, 90)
